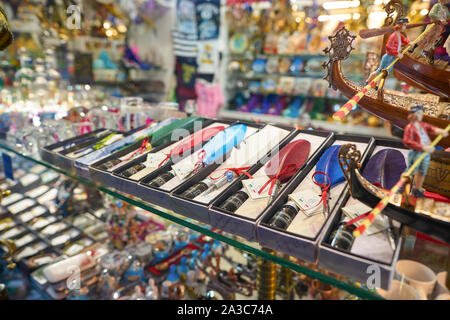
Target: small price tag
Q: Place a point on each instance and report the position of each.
(184, 168)
(254, 185)
(155, 159)
(307, 200)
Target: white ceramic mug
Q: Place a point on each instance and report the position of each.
(401, 291)
(417, 275)
(440, 287)
(443, 296)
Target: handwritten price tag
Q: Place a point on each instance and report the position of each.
(307, 200)
(254, 185)
(154, 159)
(184, 168)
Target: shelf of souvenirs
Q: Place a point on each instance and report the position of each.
(307, 269)
(251, 55)
(315, 124)
(259, 76)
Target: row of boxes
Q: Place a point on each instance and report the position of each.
(307, 238)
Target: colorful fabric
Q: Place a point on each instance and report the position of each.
(412, 137)
(208, 19)
(209, 99)
(393, 45)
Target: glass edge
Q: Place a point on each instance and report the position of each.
(362, 293)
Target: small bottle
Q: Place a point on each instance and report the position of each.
(162, 179)
(235, 201)
(283, 218)
(133, 170)
(342, 238)
(197, 189)
(110, 164)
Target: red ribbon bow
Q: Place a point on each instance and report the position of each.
(288, 170)
(141, 149)
(237, 171)
(325, 188)
(168, 156)
(199, 164)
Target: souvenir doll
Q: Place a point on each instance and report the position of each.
(393, 48)
(439, 15)
(416, 138)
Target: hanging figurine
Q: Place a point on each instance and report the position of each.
(393, 48)
(416, 138)
(439, 15)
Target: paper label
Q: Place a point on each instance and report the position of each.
(48, 196)
(307, 200)
(155, 159)
(254, 185)
(28, 179)
(48, 176)
(37, 192)
(21, 206)
(37, 169)
(11, 199)
(183, 169)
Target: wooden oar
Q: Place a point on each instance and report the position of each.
(346, 108)
(375, 32)
(385, 201)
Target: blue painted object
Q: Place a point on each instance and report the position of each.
(173, 275)
(329, 163)
(193, 260)
(216, 246)
(223, 142)
(183, 268)
(206, 251)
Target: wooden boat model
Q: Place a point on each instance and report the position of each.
(412, 68)
(427, 215)
(392, 106)
(423, 76)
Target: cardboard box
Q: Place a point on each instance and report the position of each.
(243, 221)
(241, 157)
(57, 157)
(355, 264)
(106, 177)
(301, 238)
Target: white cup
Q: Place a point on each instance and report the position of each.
(401, 291)
(440, 287)
(443, 296)
(417, 275)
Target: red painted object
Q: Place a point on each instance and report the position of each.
(194, 140)
(291, 158)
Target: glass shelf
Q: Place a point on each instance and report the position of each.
(239, 243)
